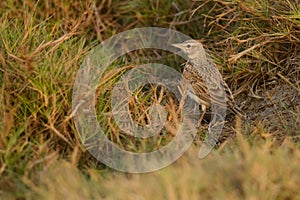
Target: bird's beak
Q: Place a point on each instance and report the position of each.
(178, 45)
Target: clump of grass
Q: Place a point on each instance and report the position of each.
(139, 111)
(38, 69)
(237, 172)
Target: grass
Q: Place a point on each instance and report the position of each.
(239, 171)
(254, 43)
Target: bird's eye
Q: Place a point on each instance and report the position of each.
(188, 46)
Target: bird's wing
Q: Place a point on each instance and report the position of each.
(200, 88)
(218, 93)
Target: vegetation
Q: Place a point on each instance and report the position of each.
(254, 43)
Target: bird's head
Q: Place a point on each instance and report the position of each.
(192, 48)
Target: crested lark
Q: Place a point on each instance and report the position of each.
(203, 74)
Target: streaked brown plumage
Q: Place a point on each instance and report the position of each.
(205, 79)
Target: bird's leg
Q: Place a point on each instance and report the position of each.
(203, 107)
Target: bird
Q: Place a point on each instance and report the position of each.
(205, 79)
